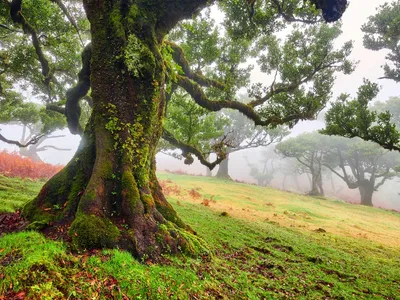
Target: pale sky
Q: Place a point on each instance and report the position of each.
(369, 67)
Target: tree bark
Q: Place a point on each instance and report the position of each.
(316, 184)
(223, 170)
(108, 194)
(366, 190)
(208, 171)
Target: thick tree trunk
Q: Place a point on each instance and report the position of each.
(109, 194)
(223, 170)
(366, 191)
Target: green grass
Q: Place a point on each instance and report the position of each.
(266, 247)
(15, 192)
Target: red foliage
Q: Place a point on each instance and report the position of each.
(169, 189)
(13, 165)
(194, 194)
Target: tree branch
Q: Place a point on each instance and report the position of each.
(190, 149)
(76, 93)
(291, 18)
(179, 57)
(44, 148)
(385, 177)
(34, 140)
(287, 88)
(17, 17)
(69, 17)
(56, 108)
(201, 99)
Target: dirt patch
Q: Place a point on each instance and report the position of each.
(57, 231)
(283, 248)
(10, 258)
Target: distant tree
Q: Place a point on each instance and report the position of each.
(263, 171)
(37, 125)
(241, 134)
(308, 149)
(392, 105)
(361, 165)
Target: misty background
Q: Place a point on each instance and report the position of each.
(369, 67)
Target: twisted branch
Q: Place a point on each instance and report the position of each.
(179, 57)
(18, 18)
(32, 141)
(201, 99)
(76, 93)
(190, 149)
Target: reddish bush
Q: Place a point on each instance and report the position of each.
(194, 194)
(13, 165)
(169, 189)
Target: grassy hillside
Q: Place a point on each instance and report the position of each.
(266, 244)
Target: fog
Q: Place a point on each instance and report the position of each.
(369, 66)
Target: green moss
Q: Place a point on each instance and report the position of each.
(37, 225)
(148, 201)
(189, 243)
(79, 184)
(129, 189)
(90, 231)
(193, 245)
(169, 214)
(138, 58)
(34, 213)
(115, 20)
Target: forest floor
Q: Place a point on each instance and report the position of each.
(266, 244)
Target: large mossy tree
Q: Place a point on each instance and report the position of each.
(108, 195)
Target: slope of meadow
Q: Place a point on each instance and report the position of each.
(266, 244)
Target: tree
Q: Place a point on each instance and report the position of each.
(308, 149)
(37, 125)
(382, 31)
(191, 129)
(242, 135)
(362, 165)
(354, 118)
(264, 176)
(108, 194)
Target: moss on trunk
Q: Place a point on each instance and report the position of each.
(109, 194)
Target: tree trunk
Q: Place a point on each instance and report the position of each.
(366, 191)
(208, 171)
(31, 153)
(108, 195)
(223, 170)
(320, 184)
(315, 190)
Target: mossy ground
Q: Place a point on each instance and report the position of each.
(266, 245)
